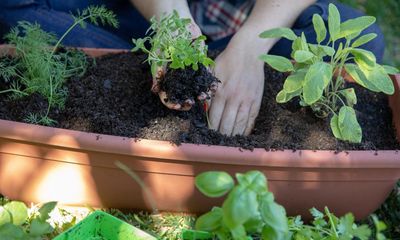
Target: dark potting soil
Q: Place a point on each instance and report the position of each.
(114, 98)
(181, 85)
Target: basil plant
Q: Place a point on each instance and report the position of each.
(320, 84)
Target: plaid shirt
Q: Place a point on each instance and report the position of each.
(218, 18)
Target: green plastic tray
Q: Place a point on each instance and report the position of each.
(102, 226)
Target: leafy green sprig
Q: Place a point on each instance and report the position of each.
(42, 67)
(250, 212)
(320, 84)
(17, 224)
(249, 208)
(172, 44)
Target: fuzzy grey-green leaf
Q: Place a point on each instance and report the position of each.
(335, 127)
(303, 56)
(364, 39)
(334, 22)
(294, 82)
(319, 27)
(390, 70)
(358, 76)
(278, 63)
(278, 33)
(350, 96)
(355, 26)
(349, 127)
(317, 78)
(364, 58)
(283, 96)
(380, 79)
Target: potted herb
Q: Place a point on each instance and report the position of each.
(77, 167)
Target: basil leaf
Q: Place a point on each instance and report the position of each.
(214, 184)
(210, 221)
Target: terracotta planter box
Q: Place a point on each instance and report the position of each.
(39, 164)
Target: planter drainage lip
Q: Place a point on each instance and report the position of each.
(164, 150)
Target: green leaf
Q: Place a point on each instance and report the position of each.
(210, 221)
(349, 127)
(365, 59)
(5, 216)
(319, 27)
(334, 22)
(278, 63)
(317, 78)
(391, 70)
(362, 232)
(238, 233)
(350, 96)
(294, 82)
(303, 56)
(328, 50)
(283, 96)
(335, 127)
(316, 213)
(214, 184)
(255, 180)
(364, 39)
(278, 33)
(39, 228)
(45, 210)
(240, 206)
(18, 212)
(380, 79)
(10, 231)
(355, 26)
(274, 216)
(359, 77)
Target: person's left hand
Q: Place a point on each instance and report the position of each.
(237, 101)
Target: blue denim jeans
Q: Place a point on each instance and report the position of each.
(54, 16)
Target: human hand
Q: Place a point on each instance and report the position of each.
(160, 73)
(237, 102)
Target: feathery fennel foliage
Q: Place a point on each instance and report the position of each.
(42, 66)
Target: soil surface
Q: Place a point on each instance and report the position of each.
(114, 98)
(181, 85)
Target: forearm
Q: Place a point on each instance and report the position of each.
(268, 14)
(150, 8)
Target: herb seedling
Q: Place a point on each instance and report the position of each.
(42, 67)
(16, 223)
(172, 44)
(320, 84)
(250, 211)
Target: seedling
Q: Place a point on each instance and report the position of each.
(172, 44)
(251, 211)
(42, 67)
(320, 84)
(16, 223)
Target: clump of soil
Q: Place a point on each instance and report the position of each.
(181, 85)
(114, 98)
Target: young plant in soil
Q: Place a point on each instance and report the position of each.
(172, 45)
(321, 85)
(41, 66)
(251, 211)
